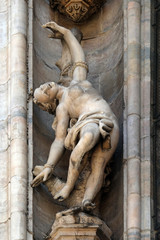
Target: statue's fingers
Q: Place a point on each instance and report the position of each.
(108, 123)
(33, 183)
(106, 128)
(36, 181)
(51, 25)
(45, 177)
(52, 35)
(58, 35)
(46, 25)
(55, 34)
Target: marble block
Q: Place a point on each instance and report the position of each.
(81, 226)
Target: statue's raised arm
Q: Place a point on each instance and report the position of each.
(79, 65)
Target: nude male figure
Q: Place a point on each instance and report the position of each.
(95, 120)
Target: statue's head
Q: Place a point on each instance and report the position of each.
(45, 97)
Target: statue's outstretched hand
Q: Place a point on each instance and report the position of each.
(57, 31)
(52, 25)
(42, 177)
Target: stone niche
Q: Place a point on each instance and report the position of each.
(103, 46)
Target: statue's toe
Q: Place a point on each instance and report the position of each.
(59, 197)
(63, 194)
(56, 196)
(88, 205)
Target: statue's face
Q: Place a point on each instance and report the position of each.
(45, 93)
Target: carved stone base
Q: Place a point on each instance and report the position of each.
(79, 226)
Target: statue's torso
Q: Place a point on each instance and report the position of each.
(82, 98)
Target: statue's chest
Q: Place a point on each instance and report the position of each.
(73, 100)
(75, 92)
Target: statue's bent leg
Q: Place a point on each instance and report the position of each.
(89, 136)
(95, 180)
(99, 160)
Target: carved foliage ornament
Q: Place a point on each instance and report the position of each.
(77, 10)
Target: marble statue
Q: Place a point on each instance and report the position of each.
(84, 122)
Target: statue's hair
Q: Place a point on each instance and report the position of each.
(48, 107)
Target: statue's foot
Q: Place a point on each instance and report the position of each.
(70, 211)
(88, 205)
(63, 194)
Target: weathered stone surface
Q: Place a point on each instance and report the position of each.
(79, 225)
(4, 230)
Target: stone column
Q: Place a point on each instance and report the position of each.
(13, 112)
(133, 118)
(137, 196)
(30, 120)
(146, 180)
(4, 122)
(18, 107)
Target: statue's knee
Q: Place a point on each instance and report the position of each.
(88, 137)
(75, 159)
(74, 156)
(75, 164)
(98, 163)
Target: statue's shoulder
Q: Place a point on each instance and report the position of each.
(61, 108)
(80, 86)
(75, 90)
(85, 84)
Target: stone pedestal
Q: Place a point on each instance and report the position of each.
(79, 226)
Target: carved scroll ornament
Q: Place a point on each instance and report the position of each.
(77, 10)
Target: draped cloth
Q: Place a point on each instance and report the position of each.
(100, 118)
